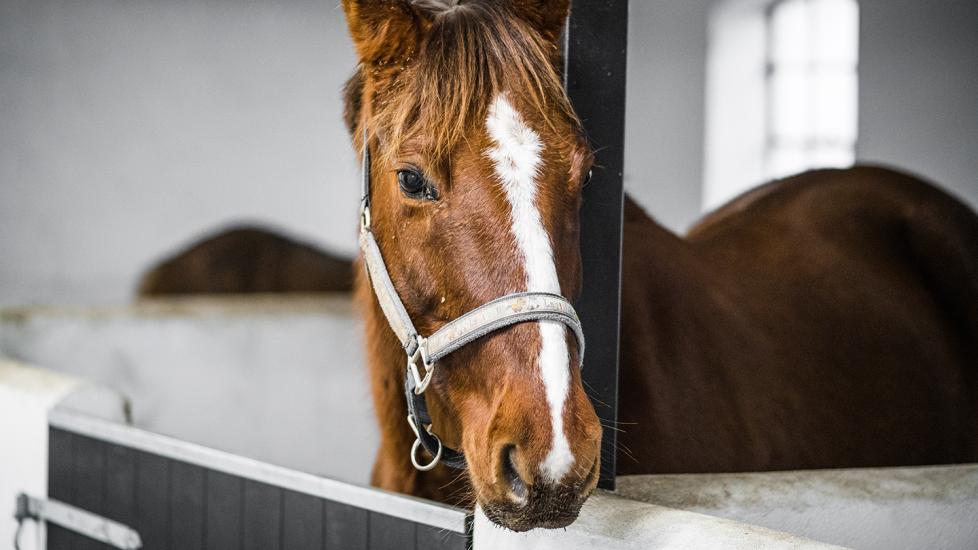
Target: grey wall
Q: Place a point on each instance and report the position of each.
(919, 89)
(664, 132)
(128, 127)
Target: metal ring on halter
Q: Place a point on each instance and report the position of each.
(417, 443)
(421, 352)
(434, 462)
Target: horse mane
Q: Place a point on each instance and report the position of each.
(472, 52)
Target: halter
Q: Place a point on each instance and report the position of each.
(424, 352)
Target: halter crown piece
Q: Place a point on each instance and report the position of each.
(425, 353)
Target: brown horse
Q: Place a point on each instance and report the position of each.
(247, 260)
(826, 320)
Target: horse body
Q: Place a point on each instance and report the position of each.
(826, 320)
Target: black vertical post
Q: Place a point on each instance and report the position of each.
(594, 75)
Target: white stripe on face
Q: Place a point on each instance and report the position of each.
(516, 156)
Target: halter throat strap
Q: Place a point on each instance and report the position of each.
(424, 353)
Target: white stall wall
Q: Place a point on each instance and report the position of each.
(279, 380)
(664, 128)
(129, 127)
(919, 89)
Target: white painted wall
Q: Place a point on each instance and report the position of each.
(665, 97)
(278, 380)
(130, 126)
(919, 89)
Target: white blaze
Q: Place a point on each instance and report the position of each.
(516, 155)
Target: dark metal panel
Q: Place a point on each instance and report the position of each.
(595, 54)
(390, 533)
(186, 506)
(152, 501)
(89, 458)
(302, 522)
(223, 511)
(262, 516)
(432, 538)
(346, 527)
(60, 470)
(120, 485)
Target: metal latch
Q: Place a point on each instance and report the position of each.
(75, 519)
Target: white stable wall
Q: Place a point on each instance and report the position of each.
(918, 99)
(131, 126)
(280, 380)
(665, 98)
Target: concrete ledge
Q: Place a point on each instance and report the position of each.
(609, 522)
(879, 508)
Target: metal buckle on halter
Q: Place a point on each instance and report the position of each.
(420, 352)
(417, 443)
(364, 216)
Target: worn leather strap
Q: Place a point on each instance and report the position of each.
(390, 302)
(503, 312)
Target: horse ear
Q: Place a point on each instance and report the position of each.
(547, 16)
(384, 31)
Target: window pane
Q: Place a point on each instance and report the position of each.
(786, 161)
(789, 105)
(836, 37)
(836, 97)
(833, 157)
(789, 32)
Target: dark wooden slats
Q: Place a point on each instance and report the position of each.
(347, 527)
(223, 511)
(303, 518)
(262, 516)
(152, 501)
(186, 506)
(179, 506)
(61, 467)
(432, 538)
(88, 482)
(390, 533)
(120, 485)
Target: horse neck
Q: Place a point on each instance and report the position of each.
(676, 297)
(673, 301)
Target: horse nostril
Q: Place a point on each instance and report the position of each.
(511, 473)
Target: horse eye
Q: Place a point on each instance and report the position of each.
(587, 178)
(411, 181)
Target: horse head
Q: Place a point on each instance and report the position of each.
(477, 163)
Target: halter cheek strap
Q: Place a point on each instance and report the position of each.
(424, 353)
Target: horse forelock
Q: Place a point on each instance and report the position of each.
(470, 54)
